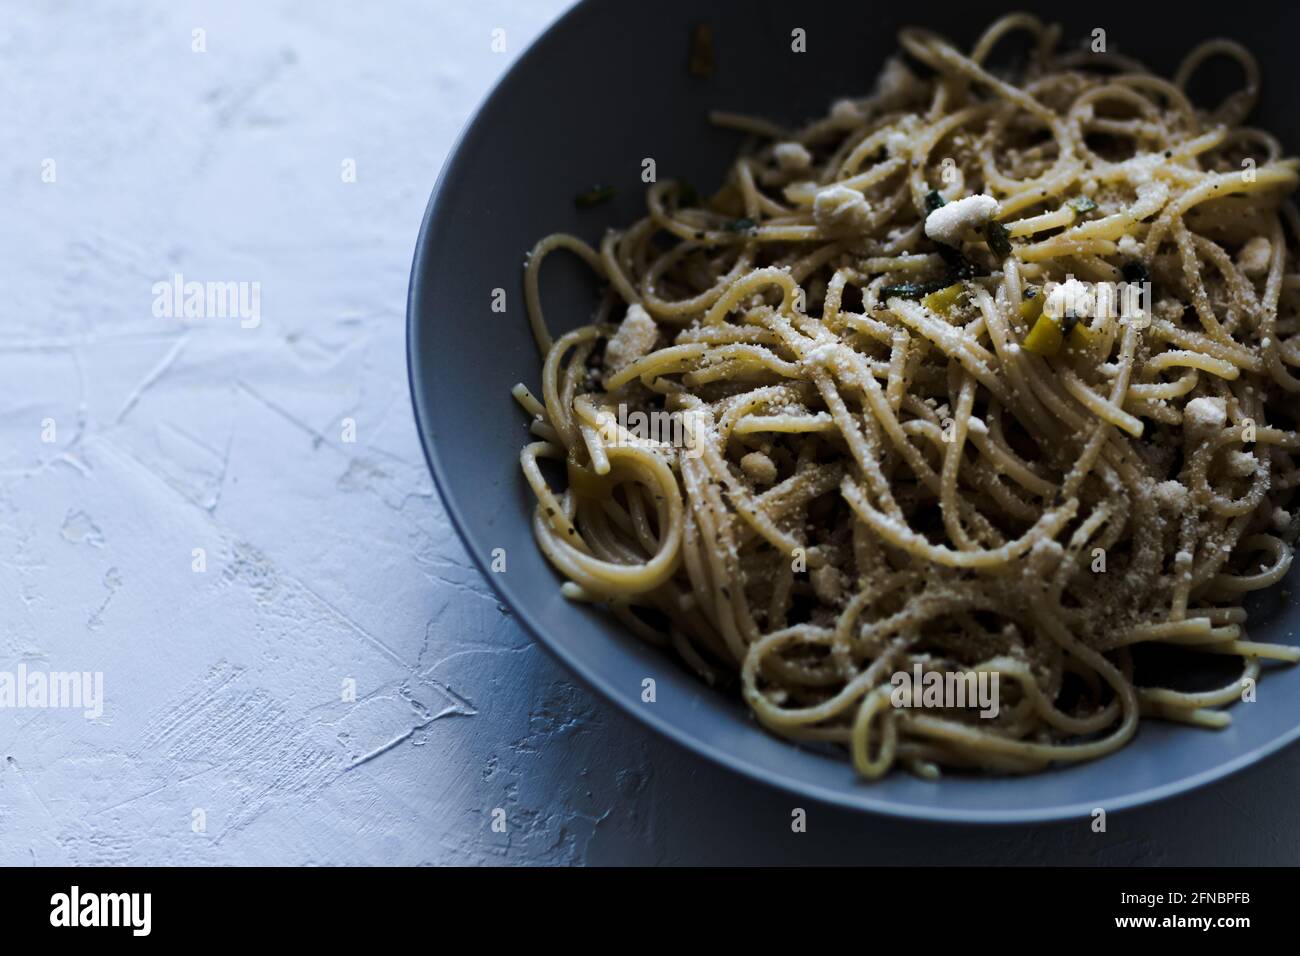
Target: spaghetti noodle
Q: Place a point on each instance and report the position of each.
(916, 436)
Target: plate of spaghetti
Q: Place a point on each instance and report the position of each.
(897, 409)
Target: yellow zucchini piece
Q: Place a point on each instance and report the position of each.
(1080, 336)
(943, 300)
(1045, 337)
(1030, 309)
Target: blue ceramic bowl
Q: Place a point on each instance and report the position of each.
(606, 86)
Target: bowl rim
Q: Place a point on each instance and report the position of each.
(856, 800)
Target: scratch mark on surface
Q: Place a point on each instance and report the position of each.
(112, 581)
(317, 438)
(384, 748)
(458, 708)
(231, 103)
(31, 791)
(356, 627)
(149, 793)
(152, 378)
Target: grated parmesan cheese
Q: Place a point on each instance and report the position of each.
(635, 338)
(1071, 297)
(823, 353)
(792, 156)
(758, 468)
(896, 82)
(845, 111)
(1254, 257)
(1205, 413)
(949, 222)
(1171, 495)
(828, 583)
(839, 208)
(1242, 463)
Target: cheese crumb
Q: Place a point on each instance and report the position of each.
(845, 111)
(758, 468)
(896, 83)
(949, 222)
(899, 140)
(824, 352)
(1254, 257)
(1071, 297)
(1205, 413)
(635, 338)
(839, 208)
(827, 583)
(792, 156)
(1171, 495)
(1242, 464)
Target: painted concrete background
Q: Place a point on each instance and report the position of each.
(136, 447)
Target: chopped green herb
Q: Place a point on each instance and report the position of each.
(933, 201)
(911, 290)
(741, 225)
(1030, 291)
(1082, 204)
(999, 242)
(594, 197)
(959, 267)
